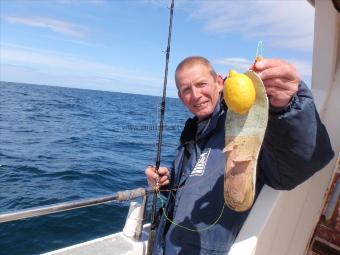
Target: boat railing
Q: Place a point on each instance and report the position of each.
(124, 195)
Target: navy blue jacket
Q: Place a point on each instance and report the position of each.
(296, 145)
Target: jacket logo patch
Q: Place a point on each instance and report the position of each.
(200, 165)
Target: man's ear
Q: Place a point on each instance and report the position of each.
(179, 95)
(220, 82)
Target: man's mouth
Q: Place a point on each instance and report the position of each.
(200, 105)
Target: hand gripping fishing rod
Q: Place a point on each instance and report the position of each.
(154, 222)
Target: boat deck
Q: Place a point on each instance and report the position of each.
(109, 245)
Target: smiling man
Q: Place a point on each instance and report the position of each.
(195, 219)
(199, 87)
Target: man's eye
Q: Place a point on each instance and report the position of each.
(202, 84)
(184, 90)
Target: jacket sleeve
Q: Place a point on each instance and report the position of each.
(296, 144)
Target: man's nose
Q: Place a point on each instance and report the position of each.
(195, 93)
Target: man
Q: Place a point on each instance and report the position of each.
(195, 219)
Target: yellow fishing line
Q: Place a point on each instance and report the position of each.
(191, 229)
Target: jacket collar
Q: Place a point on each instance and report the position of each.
(190, 128)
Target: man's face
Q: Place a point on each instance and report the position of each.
(198, 89)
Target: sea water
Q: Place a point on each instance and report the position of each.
(63, 144)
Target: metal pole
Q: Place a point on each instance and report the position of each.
(139, 228)
(43, 210)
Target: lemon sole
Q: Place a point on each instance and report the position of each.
(244, 136)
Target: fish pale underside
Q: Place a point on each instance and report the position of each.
(244, 135)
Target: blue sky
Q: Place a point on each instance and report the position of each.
(117, 45)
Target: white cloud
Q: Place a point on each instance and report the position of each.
(71, 40)
(58, 26)
(284, 24)
(70, 70)
(236, 63)
(304, 67)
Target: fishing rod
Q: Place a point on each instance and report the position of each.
(154, 223)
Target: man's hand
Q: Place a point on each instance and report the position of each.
(163, 176)
(280, 79)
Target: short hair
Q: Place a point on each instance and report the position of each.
(194, 60)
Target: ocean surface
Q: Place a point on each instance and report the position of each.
(62, 144)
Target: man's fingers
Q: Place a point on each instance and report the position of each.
(164, 178)
(266, 63)
(151, 175)
(278, 97)
(284, 72)
(163, 171)
(272, 91)
(279, 83)
(150, 172)
(165, 183)
(276, 68)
